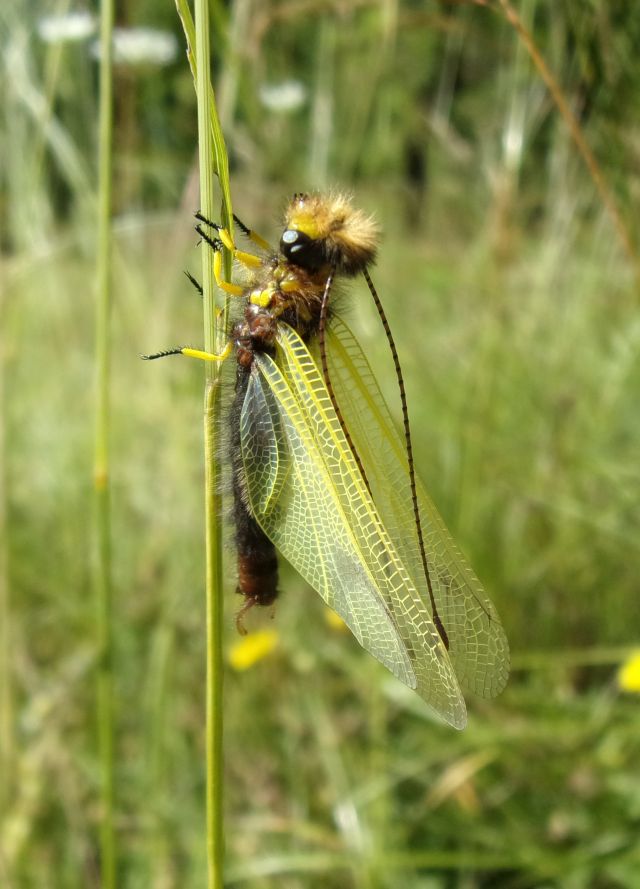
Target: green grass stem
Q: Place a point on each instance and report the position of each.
(6, 689)
(213, 161)
(102, 528)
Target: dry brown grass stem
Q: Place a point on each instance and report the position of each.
(577, 134)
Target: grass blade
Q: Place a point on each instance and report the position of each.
(102, 519)
(213, 160)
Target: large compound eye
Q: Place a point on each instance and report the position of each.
(301, 250)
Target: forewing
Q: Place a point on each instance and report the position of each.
(478, 646)
(303, 520)
(324, 522)
(264, 446)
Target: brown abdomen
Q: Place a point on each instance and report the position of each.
(257, 560)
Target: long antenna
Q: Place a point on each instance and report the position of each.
(412, 471)
(325, 372)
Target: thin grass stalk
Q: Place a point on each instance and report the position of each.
(239, 19)
(322, 110)
(606, 195)
(6, 673)
(102, 518)
(212, 160)
(52, 70)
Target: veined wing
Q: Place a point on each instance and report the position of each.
(321, 517)
(478, 647)
(303, 520)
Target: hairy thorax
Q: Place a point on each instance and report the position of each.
(278, 291)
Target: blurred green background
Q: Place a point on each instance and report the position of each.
(514, 306)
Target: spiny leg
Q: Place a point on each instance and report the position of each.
(195, 283)
(188, 352)
(198, 287)
(216, 245)
(249, 259)
(257, 239)
(253, 236)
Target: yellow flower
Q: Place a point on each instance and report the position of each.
(250, 649)
(334, 620)
(629, 673)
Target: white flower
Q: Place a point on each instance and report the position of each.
(139, 46)
(289, 95)
(61, 28)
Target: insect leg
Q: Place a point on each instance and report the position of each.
(246, 231)
(216, 245)
(188, 352)
(249, 259)
(195, 283)
(240, 613)
(253, 236)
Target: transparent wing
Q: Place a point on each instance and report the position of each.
(478, 646)
(305, 524)
(264, 445)
(322, 519)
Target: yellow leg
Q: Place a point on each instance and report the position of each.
(208, 356)
(216, 245)
(253, 236)
(192, 353)
(248, 259)
(227, 286)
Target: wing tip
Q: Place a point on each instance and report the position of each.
(458, 717)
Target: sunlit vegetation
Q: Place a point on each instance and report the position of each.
(513, 299)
